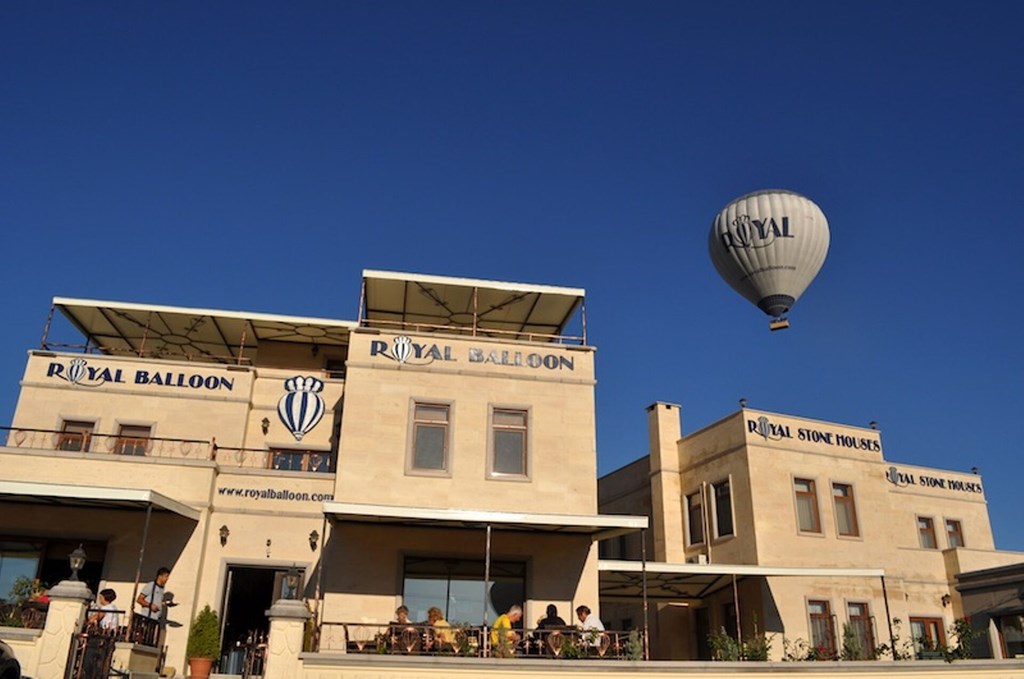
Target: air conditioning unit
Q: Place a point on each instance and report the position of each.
(701, 559)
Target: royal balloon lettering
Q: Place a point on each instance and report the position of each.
(747, 232)
(80, 374)
(404, 350)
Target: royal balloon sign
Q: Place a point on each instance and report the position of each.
(403, 350)
(80, 373)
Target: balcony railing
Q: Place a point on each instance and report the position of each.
(193, 449)
(30, 614)
(476, 641)
(89, 442)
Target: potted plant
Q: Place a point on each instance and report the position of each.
(203, 643)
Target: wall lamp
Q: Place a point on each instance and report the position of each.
(77, 561)
(314, 537)
(946, 599)
(265, 425)
(224, 533)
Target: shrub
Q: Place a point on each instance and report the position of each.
(204, 635)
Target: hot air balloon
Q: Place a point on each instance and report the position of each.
(769, 246)
(301, 408)
(76, 371)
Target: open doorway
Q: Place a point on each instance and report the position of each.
(248, 593)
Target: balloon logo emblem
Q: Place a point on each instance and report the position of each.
(76, 371)
(402, 349)
(301, 408)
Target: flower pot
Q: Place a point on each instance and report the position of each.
(199, 668)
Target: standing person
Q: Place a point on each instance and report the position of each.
(151, 598)
(590, 624)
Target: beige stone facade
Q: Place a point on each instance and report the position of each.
(781, 492)
(413, 456)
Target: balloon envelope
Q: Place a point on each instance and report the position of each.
(769, 246)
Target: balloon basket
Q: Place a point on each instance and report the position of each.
(778, 324)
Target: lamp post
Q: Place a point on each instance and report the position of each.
(314, 537)
(77, 561)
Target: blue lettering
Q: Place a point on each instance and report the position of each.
(378, 347)
(55, 369)
(141, 377)
(476, 356)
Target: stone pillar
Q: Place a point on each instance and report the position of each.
(287, 626)
(664, 432)
(64, 618)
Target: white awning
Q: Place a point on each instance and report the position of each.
(406, 302)
(124, 328)
(98, 497)
(625, 579)
(597, 526)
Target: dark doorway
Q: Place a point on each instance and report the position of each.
(702, 625)
(249, 592)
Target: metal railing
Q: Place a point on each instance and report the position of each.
(477, 641)
(279, 460)
(113, 444)
(28, 614)
(184, 449)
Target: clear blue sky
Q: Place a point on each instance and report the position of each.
(257, 156)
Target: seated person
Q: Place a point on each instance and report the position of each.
(441, 628)
(106, 617)
(551, 621)
(591, 625)
(503, 637)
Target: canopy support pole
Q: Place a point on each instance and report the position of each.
(487, 571)
(643, 561)
(736, 600)
(138, 570)
(888, 618)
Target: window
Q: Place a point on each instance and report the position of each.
(132, 440)
(954, 533)
(288, 459)
(75, 436)
(863, 631)
(927, 634)
(723, 509)
(695, 518)
(456, 586)
(823, 634)
(335, 368)
(807, 506)
(18, 559)
(846, 511)
(430, 437)
(926, 532)
(509, 442)
(1011, 635)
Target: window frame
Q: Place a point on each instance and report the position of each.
(699, 494)
(830, 625)
(307, 461)
(133, 446)
(84, 437)
(719, 535)
(929, 531)
(931, 624)
(849, 500)
(527, 430)
(959, 532)
(812, 496)
(410, 457)
(868, 625)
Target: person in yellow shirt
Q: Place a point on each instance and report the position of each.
(503, 637)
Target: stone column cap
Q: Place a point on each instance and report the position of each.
(70, 589)
(289, 608)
